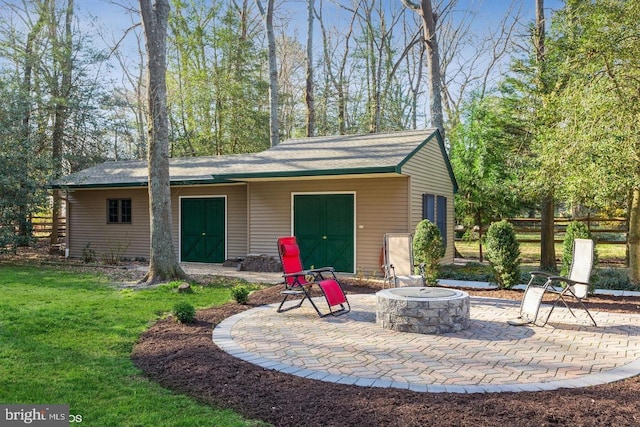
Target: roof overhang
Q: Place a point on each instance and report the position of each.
(238, 179)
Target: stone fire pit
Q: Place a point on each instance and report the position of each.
(422, 310)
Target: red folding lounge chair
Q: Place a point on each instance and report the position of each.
(298, 281)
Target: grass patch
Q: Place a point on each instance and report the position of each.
(530, 252)
(66, 338)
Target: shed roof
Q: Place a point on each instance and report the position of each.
(304, 157)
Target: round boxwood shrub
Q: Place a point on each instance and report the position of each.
(503, 253)
(575, 230)
(240, 294)
(184, 312)
(428, 249)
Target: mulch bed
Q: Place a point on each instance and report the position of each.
(184, 358)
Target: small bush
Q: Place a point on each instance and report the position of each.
(575, 230)
(428, 249)
(184, 312)
(240, 294)
(503, 253)
(471, 271)
(115, 252)
(88, 254)
(613, 278)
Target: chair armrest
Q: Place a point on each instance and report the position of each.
(300, 273)
(389, 270)
(566, 280)
(542, 273)
(321, 270)
(317, 273)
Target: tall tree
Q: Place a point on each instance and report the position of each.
(482, 156)
(63, 65)
(311, 109)
(547, 208)
(274, 123)
(335, 73)
(434, 79)
(594, 153)
(30, 62)
(163, 263)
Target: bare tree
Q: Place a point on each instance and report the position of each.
(337, 79)
(163, 263)
(274, 124)
(62, 54)
(434, 79)
(133, 87)
(468, 62)
(30, 61)
(311, 109)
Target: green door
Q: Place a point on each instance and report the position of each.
(323, 226)
(202, 230)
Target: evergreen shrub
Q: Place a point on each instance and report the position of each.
(503, 253)
(428, 249)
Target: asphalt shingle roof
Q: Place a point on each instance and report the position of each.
(326, 155)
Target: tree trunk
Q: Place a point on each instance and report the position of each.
(338, 81)
(63, 51)
(163, 264)
(274, 122)
(434, 79)
(311, 109)
(633, 241)
(24, 231)
(547, 232)
(480, 248)
(547, 235)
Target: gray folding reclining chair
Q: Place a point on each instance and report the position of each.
(575, 286)
(398, 265)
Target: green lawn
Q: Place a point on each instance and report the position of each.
(66, 338)
(530, 252)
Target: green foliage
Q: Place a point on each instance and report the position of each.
(483, 159)
(216, 83)
(428, 248)
(471, 271)
(503, 253)
(575, 230)
(613, 278)
(184, 312)
(22, 169)
(240, 294)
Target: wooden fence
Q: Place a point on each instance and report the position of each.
(611, 230)
(43, 225)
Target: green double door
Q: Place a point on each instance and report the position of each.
(324, 228)
(202, 225)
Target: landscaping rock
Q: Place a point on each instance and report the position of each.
(184, 288)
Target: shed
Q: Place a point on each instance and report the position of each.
(337, 194)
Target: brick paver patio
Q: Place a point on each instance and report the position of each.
(490, 356)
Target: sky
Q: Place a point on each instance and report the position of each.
(114, 15)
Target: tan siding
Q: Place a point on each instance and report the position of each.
(377, 202)
(428, 174)
(88, 223)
